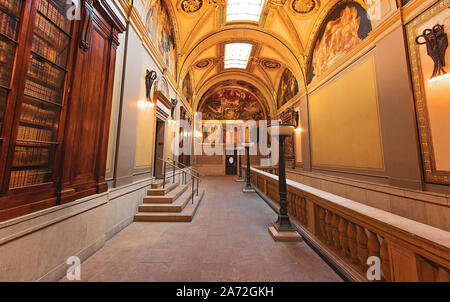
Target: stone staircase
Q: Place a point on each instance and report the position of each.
(170, 204)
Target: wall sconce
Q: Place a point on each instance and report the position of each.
(174, 104)
(150, 78)
(436, 41)
(145, 104)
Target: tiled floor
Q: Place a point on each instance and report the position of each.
(227, 241)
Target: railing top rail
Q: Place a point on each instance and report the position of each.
(177, 162)
(386, 223)
(179, 169)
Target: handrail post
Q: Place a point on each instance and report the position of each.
(164, 175)
(192, 195)
(173, 172)
(198, 180)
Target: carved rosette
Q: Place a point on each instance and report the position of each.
(191, 6)
(304, 7)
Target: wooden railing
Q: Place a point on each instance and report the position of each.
(348, 233)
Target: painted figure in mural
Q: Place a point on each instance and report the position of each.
(345, 27)
(288, 87)
(231, 104)
(159, 24)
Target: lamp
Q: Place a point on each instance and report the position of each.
(282, 229)
(240, 177)
(248, 186)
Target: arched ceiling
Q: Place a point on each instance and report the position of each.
(281, 38)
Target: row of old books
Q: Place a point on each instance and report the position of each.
(12, 6)
(57, 15)
(37, 115)
(8, 25)
(22, 178)
(50, 33)
(44, 72)
(42, 48)
(31, 156)
(41, 92)
(34, 134)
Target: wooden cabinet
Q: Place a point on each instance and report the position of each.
(55, 100)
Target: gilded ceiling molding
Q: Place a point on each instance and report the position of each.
(290, 25)
(275, 4)
(304, 8)
(235, 33)
(190, 7)
(414, 8)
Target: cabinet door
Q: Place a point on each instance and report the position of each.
(90, 105)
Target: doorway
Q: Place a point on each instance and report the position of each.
(159, 149)
(231, 163)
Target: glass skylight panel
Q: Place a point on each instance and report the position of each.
(237, 55)
(244, 10)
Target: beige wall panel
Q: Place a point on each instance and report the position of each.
(144, 137)
(345, 128)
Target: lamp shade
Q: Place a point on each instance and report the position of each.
(283, 129)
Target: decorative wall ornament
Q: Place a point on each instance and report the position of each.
(430, 98)
(150, 77)
(437, 42)
(203, 63)
(304, 6)
(270, 64)
(191, 6)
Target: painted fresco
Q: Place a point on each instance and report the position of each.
(187, 89)
(231, 104)
(159, 25)
(287, 88)
(344, 28)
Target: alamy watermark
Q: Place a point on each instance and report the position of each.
(74, 271)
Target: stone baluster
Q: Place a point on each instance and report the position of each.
(328, 229)
(352, 245)
(321, 223)
(335, 226)
(363, 252)
(385, 263)
(343, 237)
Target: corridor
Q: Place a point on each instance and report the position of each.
(227, 241)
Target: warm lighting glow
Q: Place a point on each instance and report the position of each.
(237, 55)
(298, 130)
(439, 78)
(197, 134)
(145, 104)
(244, 10)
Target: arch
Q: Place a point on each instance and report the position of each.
(267, 96)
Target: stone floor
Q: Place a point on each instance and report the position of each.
(227, 241)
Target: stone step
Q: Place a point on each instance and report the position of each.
(177, 206)
(160, 191)
(169, 198)
(184, 216)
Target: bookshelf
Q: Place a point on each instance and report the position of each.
(41, 104)
(56, 83)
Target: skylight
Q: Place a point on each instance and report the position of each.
(244, 10)
(237, 55)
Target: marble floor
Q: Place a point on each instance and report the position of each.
(227, 241)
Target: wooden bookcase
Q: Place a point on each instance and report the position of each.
(54, 103)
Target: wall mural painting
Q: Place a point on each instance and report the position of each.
(287, 89)
(431, 81)
(231, 104)
(159, 25)
(188, 92)
(344, 28)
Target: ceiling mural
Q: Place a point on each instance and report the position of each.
(159, 25)
(231, 104)
(344, 27)
(287, 89)
(305, 36)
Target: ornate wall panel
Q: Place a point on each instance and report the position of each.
(431, 97)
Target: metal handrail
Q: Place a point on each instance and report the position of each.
(190, 167)
(184, 172)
